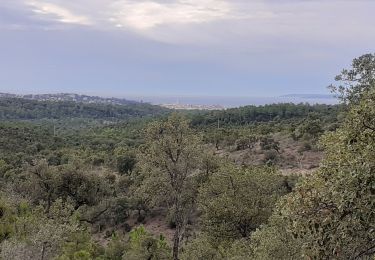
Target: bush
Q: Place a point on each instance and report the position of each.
(306, 146)
(270, 156)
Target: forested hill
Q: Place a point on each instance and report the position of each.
(26, 109)
(273, 112)
(70, 97)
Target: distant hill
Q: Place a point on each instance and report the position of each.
(310, 96)
(70, 97)
(70, 106)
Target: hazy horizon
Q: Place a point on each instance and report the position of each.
(224, 101)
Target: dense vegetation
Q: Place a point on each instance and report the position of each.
(275, 112)
(94, 181)
(17, 108)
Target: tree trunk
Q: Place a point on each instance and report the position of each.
(176, 243)
(43, 251)
(49, 202)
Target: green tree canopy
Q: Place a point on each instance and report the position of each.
(331, 214)
(235, 201)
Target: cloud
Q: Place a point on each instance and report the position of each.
(256, 23)
(186, 21)
(144, 15)
(58, 13)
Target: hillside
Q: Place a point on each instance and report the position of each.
(70, 97)
(82, 180)
(30, 109)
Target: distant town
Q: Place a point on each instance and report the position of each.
(192, 107)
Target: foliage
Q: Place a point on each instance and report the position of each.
(80, 247)
(235, 201)
(247, 142)
(68, 182)
(310, 129)
(268, 143)
(16, 108)
(125, 160)
(331, 214)
(29, 233)
(115, 248)
(142, 245)
(268, 113)
(357, 80)
(76, 180)
(273, 241)
(171, 155)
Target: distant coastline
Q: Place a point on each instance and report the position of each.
(310, 96)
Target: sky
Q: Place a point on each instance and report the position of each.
(180, 47)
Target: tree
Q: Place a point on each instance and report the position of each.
(7, 219)
(357, 80)
(33, 234)
(246, 142)
(42, 183)
(144, 246)
(268, 143)
(4, 167)
(201, 248)
(80, 246)
(273, 241)
(310, 129)
(331, 214)
(236, 201)
(170, 157)
(210, 163)
(125, 160)
(216, 137)
(82, 186)
(115, 248)
(69, 182)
